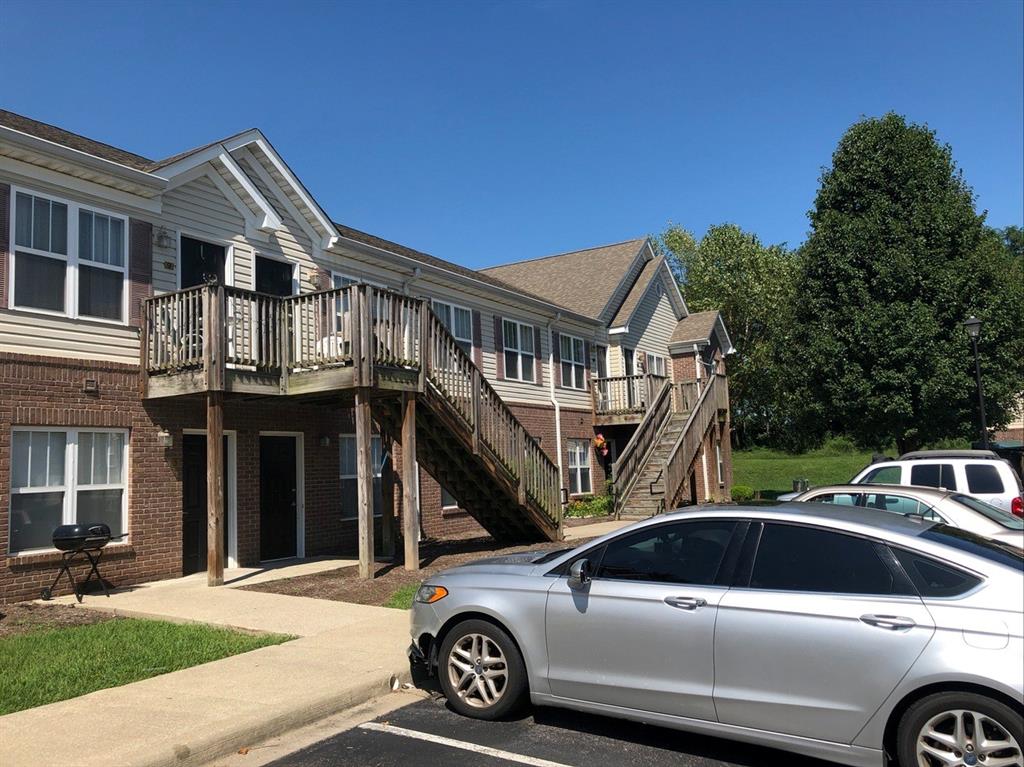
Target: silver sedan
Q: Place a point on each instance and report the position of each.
(845, 636)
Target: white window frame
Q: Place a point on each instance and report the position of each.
(654, 361)
(271, 256)
(517, 374)
(229, 257)
(71, 259)
(578, 366)
(377, 471)
(577, 448)
(448, 506)
(718, 463)
(452, 306)
(71, 484)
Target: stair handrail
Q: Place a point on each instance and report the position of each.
(468, 393)
(626, 469)
(713, 398)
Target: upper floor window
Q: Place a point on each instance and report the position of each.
(519, 350)
(69, 259)
(656, 365)
(459, 321)
(573, 362)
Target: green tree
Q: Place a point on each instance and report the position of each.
(752, 285)
(1013, 239)
(896, 260)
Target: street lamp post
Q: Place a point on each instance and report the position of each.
(973, 325)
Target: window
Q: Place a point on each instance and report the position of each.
(1000, 517)
(349, 471)
(885, 475)
(963, 540)
(983, 478)
(794, 558)
(274, 277)
(65, 476)
(579, 467)
(685, 553)
(573, 362)
(69, 259)
(933, 579)
(518, 343)
(459, 322)
(839, 499)
(933, 475)
(656, 365)
(448, 500)
(901, 504)
(719, 463)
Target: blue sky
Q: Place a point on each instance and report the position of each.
(486, 132)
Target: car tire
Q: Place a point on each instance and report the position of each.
(940, 714)
(481, 671)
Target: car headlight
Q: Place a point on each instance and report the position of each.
(429, 594)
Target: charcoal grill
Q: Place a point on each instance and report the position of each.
(78, 542)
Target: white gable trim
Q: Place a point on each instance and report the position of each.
(271, 221)
(279, 195)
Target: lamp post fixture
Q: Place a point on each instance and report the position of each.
(973, 325)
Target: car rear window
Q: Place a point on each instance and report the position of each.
(884, 475)
(983, 478)
(998, 516)
(933, 475)
(963, 540)
(935, 579)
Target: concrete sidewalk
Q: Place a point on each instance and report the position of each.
(346, 655)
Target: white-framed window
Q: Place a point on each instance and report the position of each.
(574, 363)
(69, 259)
(448, 501)
(349, 475)
(656, 364)
(459, 321)
(519, 350)
(718, 462)
(579, 467)
(62, 476)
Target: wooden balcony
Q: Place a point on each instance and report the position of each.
(216, 338)
(623, 399)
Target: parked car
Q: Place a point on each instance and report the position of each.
(951, 508)
(980, 473)
(845, 636)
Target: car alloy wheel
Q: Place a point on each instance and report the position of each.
(965, 737)
(477, 671)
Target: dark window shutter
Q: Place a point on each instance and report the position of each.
(5, 243)
(556, 357)
(538, 363)
(140, 267)
(499, 347)
(478, 352)
(586, 361)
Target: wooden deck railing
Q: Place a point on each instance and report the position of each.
(713, 397)
(624, 394)
(631, 459)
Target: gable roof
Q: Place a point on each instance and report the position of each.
(698, 328)
(582, 280)
(636, 293)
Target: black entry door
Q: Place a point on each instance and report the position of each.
(278, 498)
(201, 262)
(273, 276)
(193, 503)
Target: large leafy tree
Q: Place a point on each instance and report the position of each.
(752, 285)
(897, 258)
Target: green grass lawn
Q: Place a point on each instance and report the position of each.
(402, 599)
(772, 472)
(55, 664)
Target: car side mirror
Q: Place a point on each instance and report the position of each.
(579, 573)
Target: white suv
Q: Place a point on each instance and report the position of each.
(980, 473)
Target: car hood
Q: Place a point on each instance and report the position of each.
(520, 563)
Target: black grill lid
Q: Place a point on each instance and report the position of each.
(81, 536)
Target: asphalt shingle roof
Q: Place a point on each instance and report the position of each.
(647, 275)
(583, 280)
(695, 328)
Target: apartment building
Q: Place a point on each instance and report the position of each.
(195, 353)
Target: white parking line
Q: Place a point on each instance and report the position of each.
(441, 740)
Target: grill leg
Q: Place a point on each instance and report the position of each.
(66, 557)
(94, 571)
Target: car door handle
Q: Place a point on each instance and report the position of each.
(890, 622)
(685, 603)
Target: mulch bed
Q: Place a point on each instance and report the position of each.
(344, 585)
(25, 617)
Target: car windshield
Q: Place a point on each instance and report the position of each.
(994, 551)
(998, 516)
(551, 555)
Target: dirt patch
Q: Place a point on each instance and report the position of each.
(344, 585)
(25, 617)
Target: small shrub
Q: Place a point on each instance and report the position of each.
(592, 506)
(838, 445)
(742, 493)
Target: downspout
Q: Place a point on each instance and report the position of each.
(698, 363)
(421, 533)
(554, 398)
(407, 283)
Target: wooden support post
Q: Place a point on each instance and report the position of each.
(387, 491)
(364, 484)
(215, 488)
(410, 507)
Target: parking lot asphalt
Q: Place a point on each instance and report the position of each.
(427, 732)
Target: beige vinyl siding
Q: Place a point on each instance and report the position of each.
(652, 324)
(23, 332)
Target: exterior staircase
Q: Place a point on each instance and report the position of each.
(647, 496)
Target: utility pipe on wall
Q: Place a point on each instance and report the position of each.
(553, 397)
